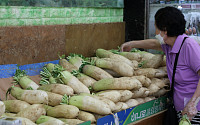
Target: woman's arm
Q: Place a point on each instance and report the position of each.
(145, 44)
(190, 109)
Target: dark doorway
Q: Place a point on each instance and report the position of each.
(134, 13)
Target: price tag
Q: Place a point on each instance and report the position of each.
(198, 6)
(193, 6)
(186, 6)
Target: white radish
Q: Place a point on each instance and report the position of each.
(110, 103)
(86, 116)
(153, 88)
(62, 111)
(132, 103)
(121, 106)
(142, 92)
(57, 88)
(2, 108)
(74, 83)
(120, 67)
(96, 72)
(144, 80)
(158, 82)
(113, 95)
(33, 112)
(106, 54)
(71, 121)
(15, 106)
(88, 103)
(122, 83)
(125, 95)
(140, 100)
(47, 120)
(30, 96)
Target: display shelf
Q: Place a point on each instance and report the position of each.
(134, 114)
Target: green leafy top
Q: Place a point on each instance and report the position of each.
(75, 73)
(18, 75)
(65, 99)
(71, 55)
(118, 51)
(85, 60)
(56, 74)
(61, 56)
(142, 63)
(135, 50)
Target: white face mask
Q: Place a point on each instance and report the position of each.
(160, 39)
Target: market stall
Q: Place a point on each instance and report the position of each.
(34, 34)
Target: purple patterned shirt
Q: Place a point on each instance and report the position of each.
(186, 77)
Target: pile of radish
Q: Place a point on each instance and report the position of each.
(82, 89)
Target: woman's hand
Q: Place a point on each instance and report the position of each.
(126, 47)
(190, 109)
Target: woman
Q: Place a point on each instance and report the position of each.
(170, 29)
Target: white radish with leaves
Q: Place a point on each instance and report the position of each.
(67, 65)
(23, 80)
(75, 60)
(55, 99)
(74, 83)
(47, 77)
(15, 106)
(86, 80)
(68, 79)
(88, 103)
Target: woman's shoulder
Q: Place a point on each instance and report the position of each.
(191, 41)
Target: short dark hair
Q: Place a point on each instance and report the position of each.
(170, 19)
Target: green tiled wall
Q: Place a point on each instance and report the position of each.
(20, 16)
(64, 3)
